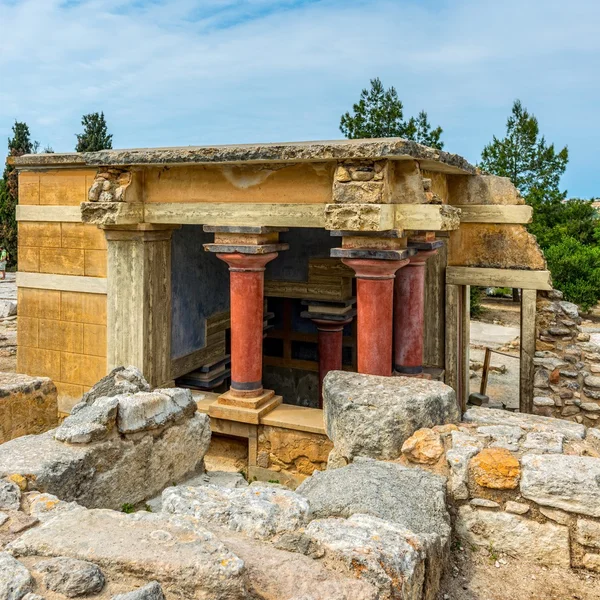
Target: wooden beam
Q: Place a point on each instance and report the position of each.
(215, 348)
(63, 214)
(464, 345)
(528, 312)
(232, 213)
(64, 283)
(481, 213)
(426, 217)
(513, 278)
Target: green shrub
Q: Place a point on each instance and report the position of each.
(475, 301)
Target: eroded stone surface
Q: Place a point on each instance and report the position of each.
(571, 483)
(366, 415)
(88, 423)
(152, 591)
(15, 579)
(168, 549)
(71, 577)
(121, 380)
(10, 495)
(259, 510)
(546, 543)
(496, 468)
(424, 447)
(588, 533)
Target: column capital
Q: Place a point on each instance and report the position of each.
(240, 262)
(366, 268)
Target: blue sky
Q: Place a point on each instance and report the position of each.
(183, 72)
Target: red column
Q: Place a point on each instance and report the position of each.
(246, 305)
(409, 315)
(374, 296)
(331, 334)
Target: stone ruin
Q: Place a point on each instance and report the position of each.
(406, 473)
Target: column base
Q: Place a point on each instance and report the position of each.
(234, 398)
(243, 414)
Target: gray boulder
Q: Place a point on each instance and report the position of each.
(71, 577)
(122, 380)
(259, 510)
(366, 415)
(386, 555)
(10, 495)
(15, 579)
(152, 591)
(412, 498)
(88, 422)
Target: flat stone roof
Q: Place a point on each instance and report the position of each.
(288, 152)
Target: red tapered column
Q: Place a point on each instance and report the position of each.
(374, 294)
(409, 315)
(246, 272)
(331, 335)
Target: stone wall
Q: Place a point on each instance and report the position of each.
(567, 364)
(27, 405)
(522, 485)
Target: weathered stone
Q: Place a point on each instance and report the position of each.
(591, 562)
(44, 506)
(385, 554)
(541, 379)
(8, 308)
(570, 309)
(71, 577)
(10, 495)
(543, 401)
(89, 423)
(590, 406)
(555, 515)
(588, 533)
(122, 380)
(31, 596)
(149, 410)
(517, 508)
(21, 522)
(3, 518)
(15, 579)
(110, 472)
(27, 405)
(567, 482)
(595, 394)
(569, 411)
(544, 442)
(464, 447)
(592, 381)
(490, 416)
(168, 549)
(374, 488)
(259, 510)
(518, 536)
(424, 447)
(373, 416)
(496, 468)
(502, 436)
(484, 503)
(152, 591)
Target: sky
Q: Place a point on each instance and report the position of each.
(185, 72)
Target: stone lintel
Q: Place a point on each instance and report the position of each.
(245, 248)
(372, 253)
(420, 245)
(342, 318)
(112, 213)
(258, 229)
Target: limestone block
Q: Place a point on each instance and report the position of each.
(152, 591)
(483, 189)
(121, 380)
(561, 481)
(384, 554)
(71, 577)
(15, 579)
(8, 308)
(483, 503)
(556, 515)
(111, 472)
(492, 416)
(373, 487)
(142, 544)
(10, 495)
(588, 533)
(522, 538)
(424, 447)
(259, 510)
(88, 423)
(517, 508)
(359, 217)
(464, 447)
(27, 404)
(592, 562)
(373, 416)
(544, 442)
(496, 468)
(149, 410)
(503, 436)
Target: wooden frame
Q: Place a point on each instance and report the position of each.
(514, 278)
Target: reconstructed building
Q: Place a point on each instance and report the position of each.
(250, 271)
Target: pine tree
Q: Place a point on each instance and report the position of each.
(380, 113)
(18, 145)
(95, 134)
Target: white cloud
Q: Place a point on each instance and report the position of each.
(224, 71)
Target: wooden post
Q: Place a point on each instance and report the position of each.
(452, 337)
(528, 311)
(485, 371)
(465, 339)
(139, 301)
